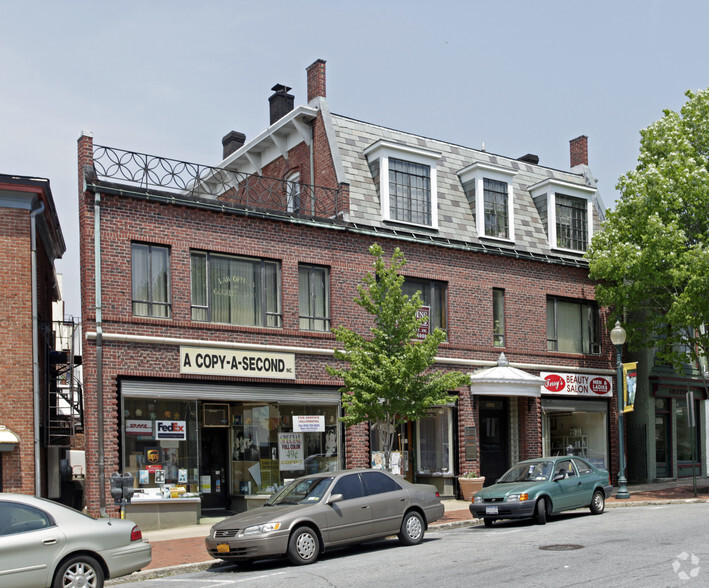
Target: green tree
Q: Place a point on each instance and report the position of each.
(388, 380)
(652, 257)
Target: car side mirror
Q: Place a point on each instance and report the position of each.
(334, 498)
(560, 475)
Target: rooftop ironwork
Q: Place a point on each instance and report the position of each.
(227, 186)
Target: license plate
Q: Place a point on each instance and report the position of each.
(223, 548)
(490, 510)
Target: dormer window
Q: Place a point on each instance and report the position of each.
(567, 213)
(489, 189)
(407, 181)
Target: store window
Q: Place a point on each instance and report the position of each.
(160, 442)
(576, 428)
(235, 290)
(150, 280)
(434, 442)
(272, 443)
(688, 440)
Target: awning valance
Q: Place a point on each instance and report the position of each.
(8, 439)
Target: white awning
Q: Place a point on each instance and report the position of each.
(504, 380)
(8, 439)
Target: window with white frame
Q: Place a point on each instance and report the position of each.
(235, 290)
(293, 192)
(407, 180)
(489, 189)
(573, 326)
(314, 297)
(150, 277)
(567, 213)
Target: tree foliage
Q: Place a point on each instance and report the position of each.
(387, 380)
(652, 257)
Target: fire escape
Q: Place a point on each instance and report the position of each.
(64, 416)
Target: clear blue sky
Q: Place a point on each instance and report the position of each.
(172, 77)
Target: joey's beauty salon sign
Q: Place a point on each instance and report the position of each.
(586, 385)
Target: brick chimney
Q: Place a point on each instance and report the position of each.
(578, 149)
(281, 102)
(232, 141)
(316, 79)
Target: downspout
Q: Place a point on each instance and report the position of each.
(312, 171)
(35, 349)
(99, 356)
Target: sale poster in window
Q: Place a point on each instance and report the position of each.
(290, 451)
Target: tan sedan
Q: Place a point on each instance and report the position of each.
(326, 510)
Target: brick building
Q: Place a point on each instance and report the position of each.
(30, 241)
(208, 326)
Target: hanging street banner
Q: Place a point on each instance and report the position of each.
(587, 385)
(213, 361)
(630, 382)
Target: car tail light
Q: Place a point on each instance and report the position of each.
(438, 494)
(135, 534)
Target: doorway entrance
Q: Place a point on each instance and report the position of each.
(494, 439)
(214, 465)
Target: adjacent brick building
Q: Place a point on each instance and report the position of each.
(209, 325)
(30, 241)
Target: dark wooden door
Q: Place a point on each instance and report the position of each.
(494, 439)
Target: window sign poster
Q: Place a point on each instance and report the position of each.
(309, 423)
(290, 451)
(159, 476)
(182, 476)
(205, 484)
(144, 477)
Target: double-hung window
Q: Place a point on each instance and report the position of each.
(489, 189)
(573, 326)
(235, 290)
(150, 277)
(498, 317)
(571, 223)
(314, 297)
(433, 295)
(407, 180)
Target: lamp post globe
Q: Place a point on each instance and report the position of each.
(618, 338)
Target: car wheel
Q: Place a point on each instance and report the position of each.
(541, 511)
(81, 570)
(488, 522)
(303, 546)
(598, 502)
(412, 529)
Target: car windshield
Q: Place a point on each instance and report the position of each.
(301, 491)
(539, 471)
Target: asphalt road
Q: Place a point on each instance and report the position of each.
(645, 546)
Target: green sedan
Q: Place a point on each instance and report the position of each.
(542, 487)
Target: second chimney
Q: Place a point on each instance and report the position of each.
(316, 79)
(281, 102)
(232, 141)
(578, 150)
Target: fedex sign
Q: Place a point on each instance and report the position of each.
(171, 430)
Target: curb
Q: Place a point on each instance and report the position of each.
(471, 522)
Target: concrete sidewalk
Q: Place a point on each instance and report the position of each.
(182, 549)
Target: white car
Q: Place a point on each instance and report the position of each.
(44, 544)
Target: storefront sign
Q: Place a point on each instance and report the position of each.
(171, 430)
(590, 386)
(309, 424)
(471, 445)
(290, 451)
(144, 428)
(211, 361)
(423, 313)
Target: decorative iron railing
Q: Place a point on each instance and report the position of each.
(228, 187)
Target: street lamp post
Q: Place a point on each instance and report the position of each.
(618, 338)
